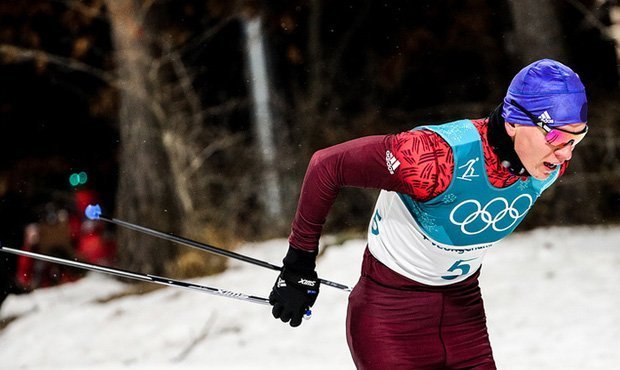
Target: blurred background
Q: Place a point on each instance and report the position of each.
(198, 117)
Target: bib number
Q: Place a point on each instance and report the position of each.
(458, 265)
(374, 229)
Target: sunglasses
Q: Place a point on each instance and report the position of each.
(554, 136)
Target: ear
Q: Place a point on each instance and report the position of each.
(510, 129)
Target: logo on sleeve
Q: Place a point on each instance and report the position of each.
(391, 161)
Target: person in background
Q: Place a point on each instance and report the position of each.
(94, 243)
(14, 216)
(449, 193)
(50, 234)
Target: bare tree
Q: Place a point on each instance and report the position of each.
(263, 117)
(145, 193)
(165, 141)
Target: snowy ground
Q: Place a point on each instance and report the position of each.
(552, 298)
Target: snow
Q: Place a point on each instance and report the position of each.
(552, 300)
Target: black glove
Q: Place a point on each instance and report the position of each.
(296, 288)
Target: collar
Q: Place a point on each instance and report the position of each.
(502, 144)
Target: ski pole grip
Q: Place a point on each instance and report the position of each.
(93, 212)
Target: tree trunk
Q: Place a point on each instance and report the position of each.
(145, 195)
(263, 122)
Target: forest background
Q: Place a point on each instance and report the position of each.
(198, 117)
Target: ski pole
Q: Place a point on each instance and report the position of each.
(138, 276)
(93, 212)
(146, 277)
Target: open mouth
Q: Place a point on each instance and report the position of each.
(550, 166)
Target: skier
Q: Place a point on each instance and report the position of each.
(449, 193)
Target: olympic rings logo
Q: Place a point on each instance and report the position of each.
(508, 214)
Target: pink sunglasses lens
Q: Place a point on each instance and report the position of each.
(557, 137)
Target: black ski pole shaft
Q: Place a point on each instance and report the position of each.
(139, 276)
(188, 242)
(94, 213)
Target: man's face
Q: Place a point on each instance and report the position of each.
(539, 157)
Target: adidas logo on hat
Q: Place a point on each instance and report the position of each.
(546, 117)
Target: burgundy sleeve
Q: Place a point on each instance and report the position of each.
(359, 163)
(380, 162)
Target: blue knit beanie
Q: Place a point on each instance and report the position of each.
(551, 91)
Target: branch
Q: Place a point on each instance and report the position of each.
(16, 54)
(79, 7)
(226, 107)
(143, 10)
(590, 18)
(185, 82)
(209, 150)
(205, 36)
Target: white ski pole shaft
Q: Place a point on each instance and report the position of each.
(138, 276)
